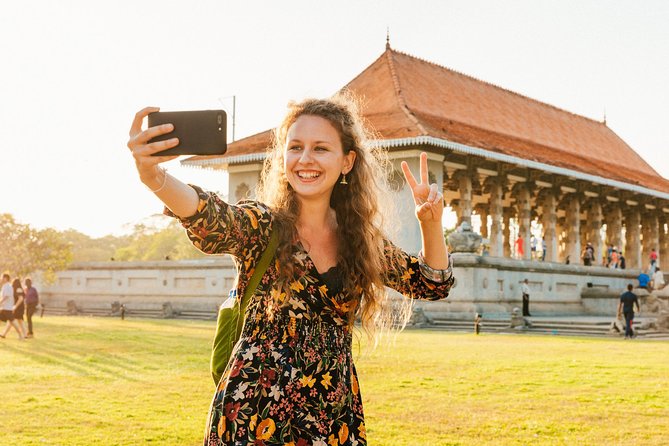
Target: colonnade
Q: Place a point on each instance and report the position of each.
(570, 215)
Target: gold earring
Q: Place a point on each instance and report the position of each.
(343, 179)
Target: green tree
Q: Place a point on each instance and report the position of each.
(25, 250)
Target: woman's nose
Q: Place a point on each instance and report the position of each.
(305, 158)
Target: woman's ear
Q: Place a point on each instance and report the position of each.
(349, 159)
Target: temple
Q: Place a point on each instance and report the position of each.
(508, 164)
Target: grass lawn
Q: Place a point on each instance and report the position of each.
(89, 381)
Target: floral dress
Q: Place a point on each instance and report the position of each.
(291, 379)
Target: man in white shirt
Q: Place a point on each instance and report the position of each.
(7, 306)
(658, 279)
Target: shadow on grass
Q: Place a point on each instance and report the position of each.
(79, 366)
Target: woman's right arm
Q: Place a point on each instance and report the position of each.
(213, 226)
(179, 197)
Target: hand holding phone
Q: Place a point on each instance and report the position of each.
(200, 132)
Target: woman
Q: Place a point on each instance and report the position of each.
(291, 379)
(19, 304)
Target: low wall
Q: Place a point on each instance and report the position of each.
(188, 285)
(491, 285)
(484, 284)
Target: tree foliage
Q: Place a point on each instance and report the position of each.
(154, 243)
(25, 250)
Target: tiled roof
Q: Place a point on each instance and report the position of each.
(403, 96)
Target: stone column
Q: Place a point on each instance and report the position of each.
(464, 180)
(664, 242)
(524, 218)
(549, 221)
(614, 226)
(633, 242)
(495, 187)
(653, 234)
(483, 213)
(573, 228)
(506, 231)
(595, 228)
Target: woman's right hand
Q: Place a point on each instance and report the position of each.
(147, 165)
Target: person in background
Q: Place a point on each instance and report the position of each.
(658, 279)
(520, 249)
(19, 304)
(644, 281)
(543, 248)
(613, 263)
(525, 290)
(32, 300)
(7, 306)
(626, 306)
(653, 261)
(588, 254)
(621, 261)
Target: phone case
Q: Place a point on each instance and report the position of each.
(200, 132)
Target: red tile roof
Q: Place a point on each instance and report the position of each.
(404, 96)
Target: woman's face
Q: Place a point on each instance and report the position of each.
(314, 158)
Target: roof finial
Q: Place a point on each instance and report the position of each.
(604, 120)
(387, 37)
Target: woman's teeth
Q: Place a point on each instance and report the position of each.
(308, 175)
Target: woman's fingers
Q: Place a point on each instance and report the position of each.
(432, 195)
(423, 169)
(136, 126)
(411, 181)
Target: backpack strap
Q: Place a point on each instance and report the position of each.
(259, 271)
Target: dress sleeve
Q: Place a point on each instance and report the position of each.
(217, 227)
(405, 277)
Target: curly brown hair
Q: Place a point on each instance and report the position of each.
(361, 209)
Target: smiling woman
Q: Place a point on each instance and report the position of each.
(291, 377)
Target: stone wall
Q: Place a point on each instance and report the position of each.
(189, 285)
(484, 284)
(491, 285)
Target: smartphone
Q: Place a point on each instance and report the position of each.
(200, 132)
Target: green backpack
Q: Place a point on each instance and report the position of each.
(231, 319)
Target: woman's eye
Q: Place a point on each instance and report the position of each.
(294, 148)
(321, 149)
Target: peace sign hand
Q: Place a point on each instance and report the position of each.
(429, 201)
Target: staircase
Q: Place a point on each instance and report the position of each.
(567, 325)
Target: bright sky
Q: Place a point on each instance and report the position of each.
(75, 72)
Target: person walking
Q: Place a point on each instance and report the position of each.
(32, 300)
(626, 306)
(19, 304)
(291, 377)
(7, 306)
(525, 290)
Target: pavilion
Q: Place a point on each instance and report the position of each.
(506, 159)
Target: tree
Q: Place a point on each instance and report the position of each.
(24, 250)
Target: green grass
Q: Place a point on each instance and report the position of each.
(85, 381)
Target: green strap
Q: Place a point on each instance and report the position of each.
(259, 271)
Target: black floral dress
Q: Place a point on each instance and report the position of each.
(291, 380)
